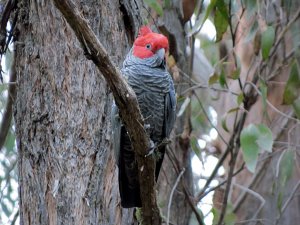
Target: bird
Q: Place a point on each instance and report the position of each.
(144, 68)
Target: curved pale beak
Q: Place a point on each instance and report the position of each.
(161, 53)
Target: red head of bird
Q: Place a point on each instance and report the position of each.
(149, 43)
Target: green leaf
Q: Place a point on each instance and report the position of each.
(229, 218)
(233, 110)
(195, 147)
(221, 19)
(222, 79)
(213, 79)
(264, 91)
(251, 34)
(292, 87)
(224, 118)
(286, 167)
(154, 4)
(236, 74)
(208, 10)
(167, 4)
(10, 141)
(296, 106)
(250, 148)
(253, 138)
(223, 123)
(265, 139)
(267, 40)
(279, 201)
(240, 98)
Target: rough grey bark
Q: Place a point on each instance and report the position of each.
(66, 167)
(67, 174)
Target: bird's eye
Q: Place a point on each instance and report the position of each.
(148, 46)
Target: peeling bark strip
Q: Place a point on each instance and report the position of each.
(126, 101)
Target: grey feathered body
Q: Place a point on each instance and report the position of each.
(154, 88)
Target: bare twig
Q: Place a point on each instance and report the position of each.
(282, 33)
(208, 87)
(288, 201)
(186, 192)
(236, 144)
(267, 221)
(7, 115)
(233, 35)
(127, 103)
(223, 182)
(13, 222)
(243, 195)
(172, 193)
(9, 7)
(255, 194)
(271, 105)
(201, 194)
(207, 117)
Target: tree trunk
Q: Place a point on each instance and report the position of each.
(67, 172)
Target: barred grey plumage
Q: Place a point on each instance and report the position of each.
(155, 92)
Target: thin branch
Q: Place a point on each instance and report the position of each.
(172, 193)
(282, 33)
(243, 195)
(201, 194)
(13, 222)
(271, 105)
(255, 194)
(127, 103)
(223, 182)
(9, 7)
(208, 87)
(176, 166)
(7, 115)
(254, 220)
(236, 144)
(207, 117)
(288, 201)
(233, 33)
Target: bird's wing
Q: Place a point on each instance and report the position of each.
(170, 110)
(116, 131)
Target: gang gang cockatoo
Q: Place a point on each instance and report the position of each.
(145, 71)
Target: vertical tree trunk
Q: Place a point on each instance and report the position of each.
(67, 174)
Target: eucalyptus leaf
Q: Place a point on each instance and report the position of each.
(155, 5)
(267, 40)
(221, 19)
(265, 138)
(286, 167)
(195, 147)
(292, 87)
(250, 148)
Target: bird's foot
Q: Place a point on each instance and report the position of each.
(151, 149)
(156, 146)
(164, 142)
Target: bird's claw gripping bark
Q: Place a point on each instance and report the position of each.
(156, 146)
(151, 149)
